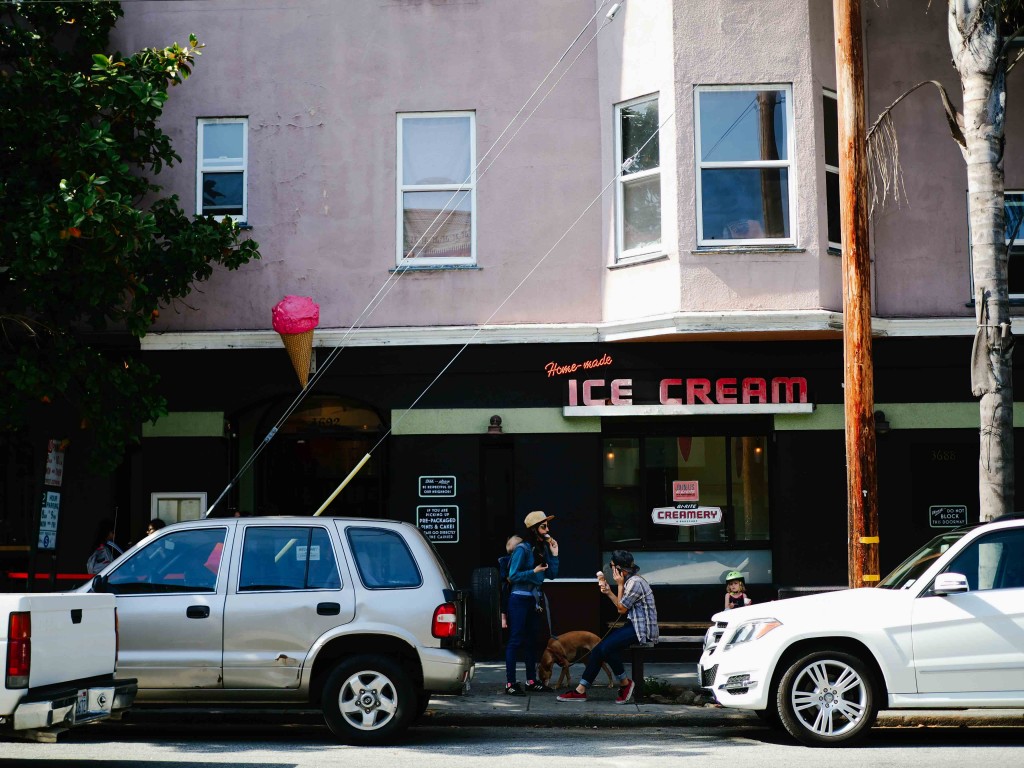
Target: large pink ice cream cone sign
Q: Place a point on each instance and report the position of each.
(295, 317)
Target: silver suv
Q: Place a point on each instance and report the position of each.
(358, 617)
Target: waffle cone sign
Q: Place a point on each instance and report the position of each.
(300, 350)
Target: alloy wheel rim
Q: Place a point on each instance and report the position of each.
(368, 700)
(829, 698)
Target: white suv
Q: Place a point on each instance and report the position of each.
(945, 630)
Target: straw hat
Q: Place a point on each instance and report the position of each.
(536, 518)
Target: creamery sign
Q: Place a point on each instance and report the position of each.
(687, 396)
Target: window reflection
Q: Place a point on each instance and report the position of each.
(645, 473)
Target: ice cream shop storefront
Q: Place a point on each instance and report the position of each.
(700, 458)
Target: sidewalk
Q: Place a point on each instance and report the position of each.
(487, 704)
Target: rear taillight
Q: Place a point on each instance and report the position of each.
(19, 649)
(446, 622)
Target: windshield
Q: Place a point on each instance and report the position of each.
(911, 568)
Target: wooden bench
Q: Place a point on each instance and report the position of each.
(673, 634)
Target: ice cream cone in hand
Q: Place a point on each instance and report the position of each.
(294, 318)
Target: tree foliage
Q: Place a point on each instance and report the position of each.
(89, 250)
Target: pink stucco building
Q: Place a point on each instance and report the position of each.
(617, 234)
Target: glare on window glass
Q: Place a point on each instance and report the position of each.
(742, 125)
(222, 144)
(435, 150)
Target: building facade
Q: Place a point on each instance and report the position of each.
(619, 236)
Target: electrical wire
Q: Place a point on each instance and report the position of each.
(397, 274)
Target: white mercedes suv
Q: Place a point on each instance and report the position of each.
(945, 630)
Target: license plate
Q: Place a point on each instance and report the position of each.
(82, 705)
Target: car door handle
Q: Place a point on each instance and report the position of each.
(198, 611)
(328, 609)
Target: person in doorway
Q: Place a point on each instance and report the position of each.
(735, 591)
(154, 525)
(105, 550)
(533, 560)
(632, 597)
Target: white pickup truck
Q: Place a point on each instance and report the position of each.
(60, 653)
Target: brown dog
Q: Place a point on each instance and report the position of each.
(564, 651)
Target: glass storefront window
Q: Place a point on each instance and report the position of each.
(644, 473)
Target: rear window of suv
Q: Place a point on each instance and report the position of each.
(383, 559)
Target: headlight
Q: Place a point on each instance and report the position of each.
(752, 630)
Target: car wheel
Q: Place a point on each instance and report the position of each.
(485, 586)
(827, 699)
(368, 700)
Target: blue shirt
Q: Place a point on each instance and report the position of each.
(521, 573)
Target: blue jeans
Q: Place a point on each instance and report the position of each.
(608, 651)
(522, 628)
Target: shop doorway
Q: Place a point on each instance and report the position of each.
(945, 480)
(314, 451)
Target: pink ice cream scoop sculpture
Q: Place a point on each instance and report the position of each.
(294, 318)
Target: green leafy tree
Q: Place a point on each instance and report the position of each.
(88, 247)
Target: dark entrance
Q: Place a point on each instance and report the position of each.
(314, 451)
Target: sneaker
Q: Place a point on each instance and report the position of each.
(515, 689)
(625, 693)
(572, 696)
(538, 687)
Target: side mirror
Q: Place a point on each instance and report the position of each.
(99, 583)
(950, 584)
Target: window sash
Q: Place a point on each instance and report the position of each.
(624, 249)
(237, 209)
(459, 203)
(833, 224)
(786, 166)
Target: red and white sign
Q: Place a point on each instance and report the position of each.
(686, 514)
(685, 490)
(54, 464)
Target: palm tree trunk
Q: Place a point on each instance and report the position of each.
(975, 43)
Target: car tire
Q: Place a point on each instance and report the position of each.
(368, 700)
(827, 699)
(485, 587)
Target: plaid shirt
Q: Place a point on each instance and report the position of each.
(638, 600)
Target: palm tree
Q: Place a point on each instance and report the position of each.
(980, 32)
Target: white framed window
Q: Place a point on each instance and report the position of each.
(746, 187)
(831, 124)
(175, 507)
(436, 189)
(638, 191)
(222, 152)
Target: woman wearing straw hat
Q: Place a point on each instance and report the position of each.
(534, 560)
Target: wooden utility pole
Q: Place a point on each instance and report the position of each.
(858, 379)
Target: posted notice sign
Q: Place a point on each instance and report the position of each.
(686, 514)
(440, 524)
(947, 515)
(48, 515)
(437, 485)
(685, 490)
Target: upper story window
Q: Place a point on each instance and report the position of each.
(745, 179)
(831, 121)
(638, 194)
(223, 151)
(437, 189)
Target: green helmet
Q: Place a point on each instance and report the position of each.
(733, 575)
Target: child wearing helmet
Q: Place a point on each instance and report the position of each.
(735, 591)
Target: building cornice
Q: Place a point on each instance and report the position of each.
(680, 326)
